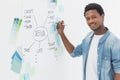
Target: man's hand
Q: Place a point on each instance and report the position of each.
(60, 27)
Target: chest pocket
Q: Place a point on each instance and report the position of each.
(106, 62)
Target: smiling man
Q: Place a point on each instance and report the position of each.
(100, 48)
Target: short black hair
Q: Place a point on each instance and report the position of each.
(92, 6)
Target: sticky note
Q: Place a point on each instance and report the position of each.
(16, 54)
(16, 65)
(26, 76)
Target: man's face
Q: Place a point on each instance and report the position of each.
(94, 19)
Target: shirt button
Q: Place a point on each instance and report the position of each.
(105, 58)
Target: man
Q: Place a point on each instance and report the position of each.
(100, 48)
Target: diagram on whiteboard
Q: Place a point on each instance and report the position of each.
(41, 25)
(38, 42)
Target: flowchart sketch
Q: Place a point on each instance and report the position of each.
(40, 28)
(38, 41)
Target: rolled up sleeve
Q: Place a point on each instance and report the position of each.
(116, 57)
(77, 51)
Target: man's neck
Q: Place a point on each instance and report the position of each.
(100, 31)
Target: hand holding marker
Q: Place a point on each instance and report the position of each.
(60, 26)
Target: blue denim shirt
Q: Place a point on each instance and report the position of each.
(108, 49)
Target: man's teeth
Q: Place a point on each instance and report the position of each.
(92, 24)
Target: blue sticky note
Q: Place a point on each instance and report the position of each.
(15, 24)
(16, 58)
(16, 65)
(26, 76)
(16, 54)
(54, 1)
(57, 40)
(54, 27)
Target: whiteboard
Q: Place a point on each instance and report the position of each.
(31, 48)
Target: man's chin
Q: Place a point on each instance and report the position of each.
(93, 29)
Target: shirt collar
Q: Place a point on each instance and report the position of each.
(103, 38)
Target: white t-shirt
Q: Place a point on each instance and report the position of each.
(91, 66)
